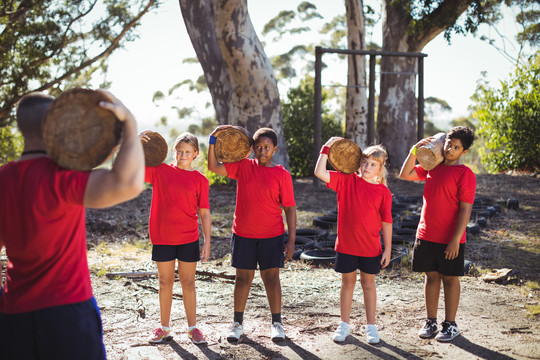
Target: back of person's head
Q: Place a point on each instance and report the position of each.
(188, 138)
(463, 134)
(379, 154)
(265, 132)
(31, 111)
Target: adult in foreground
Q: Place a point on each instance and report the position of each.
(47, 309)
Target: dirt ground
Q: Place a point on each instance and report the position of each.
(494, 318)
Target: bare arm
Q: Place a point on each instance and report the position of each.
(206, 224)
(387, 239)
(320, 169)
(290, 216)
(452, 250)
(407, 171)
(125, 180)
(213, 164)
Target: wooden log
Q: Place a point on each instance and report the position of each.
(345, 156)
(232, 144)
(137, 274)
(155, 150)
(431, 155)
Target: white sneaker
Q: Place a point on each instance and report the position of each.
(236, 331)
(343, 330)
(278, 333)
(372, 334)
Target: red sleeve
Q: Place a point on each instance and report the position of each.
(421, 172)
(386, 206)
(287, 191)
(467, 187)
(203, 200)
(71, 185)
(335, 180)
(233, 168)
(150, 174)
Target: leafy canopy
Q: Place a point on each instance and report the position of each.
(509, 120)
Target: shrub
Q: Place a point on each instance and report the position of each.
(298, 112)
(509, 121)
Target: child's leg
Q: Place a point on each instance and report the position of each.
(272, 285)
(370, 295)
(348, 282)
(432, 289)
(452, 291)
(186, 273)
(166, 282)
(242, 285)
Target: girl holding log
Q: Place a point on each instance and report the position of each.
(364, 207)
(179, 192)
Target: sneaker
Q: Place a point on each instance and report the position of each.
(343, 330)
(159, 335)
(372, 334)
(196, 336)
(448, 332)
(429, 329)
(278, 333)
(236, 331)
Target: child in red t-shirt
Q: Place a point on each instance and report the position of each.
(179, 191)
(364, 208)
(258, 231)
(440, 238)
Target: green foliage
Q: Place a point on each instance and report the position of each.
(11, 144)
(298, 130)
(509, 120)
(56, 45)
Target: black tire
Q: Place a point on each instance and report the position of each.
(403, 239)
(325, 222)
(314, 234)
(512, 204)
(404, 232)
(473, 228)
(406, 225)
(319, 256)
(412, 219)
(328, 244)
(297, 253)
(303, 243)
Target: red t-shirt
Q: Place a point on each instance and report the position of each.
(445, 188)
(362, 207)
(260, 193)
(176, 197)
(42, 225)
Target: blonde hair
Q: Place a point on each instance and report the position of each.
(379, 154)
(188, 138)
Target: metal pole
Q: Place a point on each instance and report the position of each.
(420, 129)
(371, 101)
(317, 122)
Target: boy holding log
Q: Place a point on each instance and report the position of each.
(258, 230)
(47, 310)
(440, 237)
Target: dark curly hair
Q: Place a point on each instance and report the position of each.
(265, 132)
(464, 134)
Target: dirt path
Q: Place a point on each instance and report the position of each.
(493, 318)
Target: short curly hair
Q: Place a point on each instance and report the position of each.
(265, 132)
(464, 134)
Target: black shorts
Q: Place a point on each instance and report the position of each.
(186, 252)
(429, 256)
(72, 331)
(346, 263)
(247, 253)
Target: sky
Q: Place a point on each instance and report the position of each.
(155, 62)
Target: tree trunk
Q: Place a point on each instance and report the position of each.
(397, 111)
(236, 68)
(356, 109)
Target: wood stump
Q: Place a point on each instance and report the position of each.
(232, 144)
(431, 155)
(345, 156)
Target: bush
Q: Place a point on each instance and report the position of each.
(509, 121)
(298, 112)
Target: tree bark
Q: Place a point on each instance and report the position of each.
(238, 72)
(397, 111)
(357, 102)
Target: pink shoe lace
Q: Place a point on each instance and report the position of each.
(196, 336)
